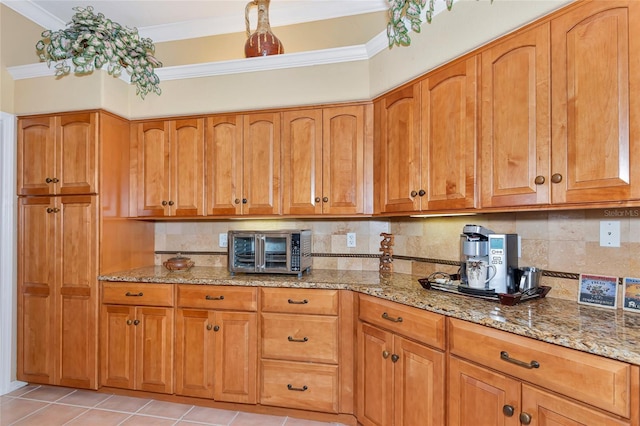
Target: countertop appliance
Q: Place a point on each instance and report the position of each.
(479, 244)
(285, 251)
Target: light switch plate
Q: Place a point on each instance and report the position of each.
(222, 240)
(610, 233)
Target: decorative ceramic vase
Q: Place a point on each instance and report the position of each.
(262, 42)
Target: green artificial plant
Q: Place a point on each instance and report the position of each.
(401, 11)
(92, 41)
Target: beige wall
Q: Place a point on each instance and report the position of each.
(566, 241)
(450, 35)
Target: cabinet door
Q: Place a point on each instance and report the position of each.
(36, 357)
(36, 156)
(195, 360)
(418, 384)
(187, 167)
(154, 349)
(546, 409)
(449, 137)
(153, 168)
(595, 59)
(302, 162)
(117, 346)
(223, 166)
(375, 376)
(478, 395)
(261, 163)
(515, 157)
(398, 150)
(343, 160)
(77, 161)
(77, 298)
(236, 357)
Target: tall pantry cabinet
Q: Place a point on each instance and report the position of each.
(72, 226)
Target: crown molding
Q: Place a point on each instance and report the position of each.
(237, 66)
(35, 13)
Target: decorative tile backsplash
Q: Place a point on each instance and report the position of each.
(564, 241)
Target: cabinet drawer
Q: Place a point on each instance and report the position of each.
(426, 327)
(300, 385)
(598, 381)
(312, 338)
(217, 297)
(139, 294)
(300, 301)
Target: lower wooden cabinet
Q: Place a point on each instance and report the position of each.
(217, 343)
(216, 355)
(478, 395)
(401, 381)
(136, 340)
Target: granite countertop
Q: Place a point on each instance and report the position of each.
(609, 333)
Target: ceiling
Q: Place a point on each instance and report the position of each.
(181, 19)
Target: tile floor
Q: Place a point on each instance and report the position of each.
(53, 406)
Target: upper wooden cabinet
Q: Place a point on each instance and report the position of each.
(515, 127)
(595, 62)
(170, 167)
(243, 164)
(560, 124)
(426, 143)
(327, 165)
(58, 155)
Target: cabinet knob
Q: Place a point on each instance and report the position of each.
(385, 354)
(508, 410)
(171, 203)
(244, 201)
(556, 178)
(55, 180)
(48, 180)
(216, 328)
(325, 199)
(209, 327)
(539, 180)
(164, 203)
(414, 193)
(395, 358)
(422, 192)
(129, 322)
(52, 210)
(525, 418)
(237, 201)
(317, 200)
(136, 322)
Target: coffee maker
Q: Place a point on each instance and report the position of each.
(477, 244)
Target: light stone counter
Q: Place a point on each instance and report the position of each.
(609, 333)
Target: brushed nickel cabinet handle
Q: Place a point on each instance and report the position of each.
(302, 389)
(388, 318)
(504, 355)
(129, 294)
(292, 339)
(508, 410)
(214, 297)
(525, 418)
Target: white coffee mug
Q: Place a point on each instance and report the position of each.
(477, 273)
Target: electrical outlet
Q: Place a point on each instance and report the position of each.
(222, 240)
(351, 239)
(610, 233)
